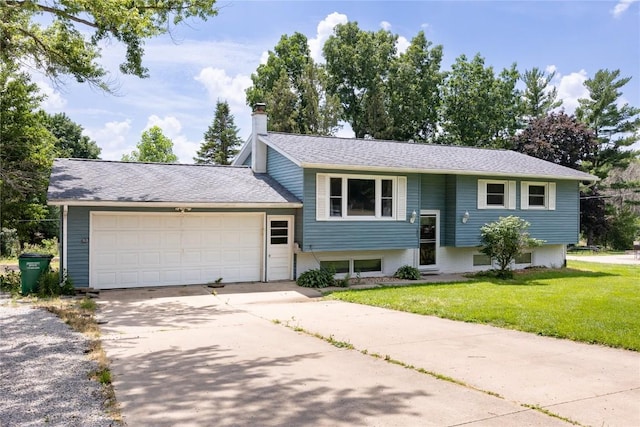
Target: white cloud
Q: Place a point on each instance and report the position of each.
(113, 138)
(402, 44)
(185, 149)
(621, 7)
(386, 25)
(264, 57)
(324, 31)
(222, 87)
(551, 69)
(570, 89)
(170, 125)
(53, 101)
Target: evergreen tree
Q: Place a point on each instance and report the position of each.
(539, 97)
(221, 139)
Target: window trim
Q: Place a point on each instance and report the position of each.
(351, 261)
(509, 194)
(473, 264)
(549, 196)
(323, 197)
(530, 253)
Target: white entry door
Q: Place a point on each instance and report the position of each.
(279, 248)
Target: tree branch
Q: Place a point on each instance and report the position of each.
(53, 10)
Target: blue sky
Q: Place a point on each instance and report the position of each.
(205, 61)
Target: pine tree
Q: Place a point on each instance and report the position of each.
(221, 139)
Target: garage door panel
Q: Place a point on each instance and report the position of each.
(137, 249)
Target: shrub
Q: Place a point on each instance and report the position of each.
(317, 278)
(10, 281)
(50, 285)
(407, 272)
(9, 245)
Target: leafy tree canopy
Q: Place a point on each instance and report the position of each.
(70, 142)
(221, 139)
(62, 37)
(154, 147)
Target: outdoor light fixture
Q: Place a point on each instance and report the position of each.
(414, 215)
(465, 217)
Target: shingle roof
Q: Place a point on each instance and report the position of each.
(349, 153)
(108, 181)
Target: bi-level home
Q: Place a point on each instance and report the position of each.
(291, 203)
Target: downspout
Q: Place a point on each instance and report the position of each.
(65, 214)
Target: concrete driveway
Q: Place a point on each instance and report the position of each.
(247, 356)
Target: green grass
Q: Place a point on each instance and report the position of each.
(594, 303)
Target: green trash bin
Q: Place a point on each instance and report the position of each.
(31, 267)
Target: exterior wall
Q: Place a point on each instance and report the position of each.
(78, 234)
(433, 196)
(285, 172)
(460, 260)
(247, 161)
(336, 235)
(391, 260)
(559, 226)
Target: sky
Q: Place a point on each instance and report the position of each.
(205, 61)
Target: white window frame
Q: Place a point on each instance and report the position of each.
(509, 194)
(323, 197)
(549, 195)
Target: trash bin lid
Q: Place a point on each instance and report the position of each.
(31, 255)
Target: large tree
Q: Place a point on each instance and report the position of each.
(293, 87)
(70, 141)
(480, 108)
(68, 40)
(358, 66)
(414, 89)
(154, 147)
(221, 139)
(539, 97)
(26, 153)
(616, 126)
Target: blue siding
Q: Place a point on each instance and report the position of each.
(433, 192)
(78, 234)
(560, 226)
(450, 219)
(357, 235)
(285, 172)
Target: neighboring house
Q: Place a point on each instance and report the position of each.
(292, 203)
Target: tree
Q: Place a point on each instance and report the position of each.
(414, 89)
(479, 108)
(539, 97)
(560, 139)
(293, 87)
(505, 239)
(358, 66)
(67, 41)
(70, 142)
(221, 139)
(26, 153)
(153, 147)
(616, 127)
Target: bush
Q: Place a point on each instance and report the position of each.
(318, 278)
(9, 245)
(46, 246)
(407, 272)
(10, 281)
(624, 226)
(50, 285)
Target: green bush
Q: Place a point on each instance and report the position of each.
(46, 246)
(624, 226)
(10, 281)
(318, 278)
(50, 285)
(9, 245)
(407, 272)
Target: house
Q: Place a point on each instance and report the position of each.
(291, 203)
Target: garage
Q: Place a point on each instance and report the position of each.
(132, 249)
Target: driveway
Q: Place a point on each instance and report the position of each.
(247, 356)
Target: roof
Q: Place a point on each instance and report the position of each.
(88, 181)
(366, 154)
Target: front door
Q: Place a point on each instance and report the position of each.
(279, 247)
(429, 236)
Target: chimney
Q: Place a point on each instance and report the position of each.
(258, 148)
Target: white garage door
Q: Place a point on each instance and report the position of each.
(136, 249)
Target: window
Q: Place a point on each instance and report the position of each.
(353, 266)
(481, 259)
(335, 266)
(538, 195)
(360, 197)
(493, 194)
(524, 258)
(279, 232)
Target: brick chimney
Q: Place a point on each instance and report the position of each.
(258, 148)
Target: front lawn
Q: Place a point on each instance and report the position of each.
(594, 303)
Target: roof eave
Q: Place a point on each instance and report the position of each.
(360, 168)
(176, 204)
